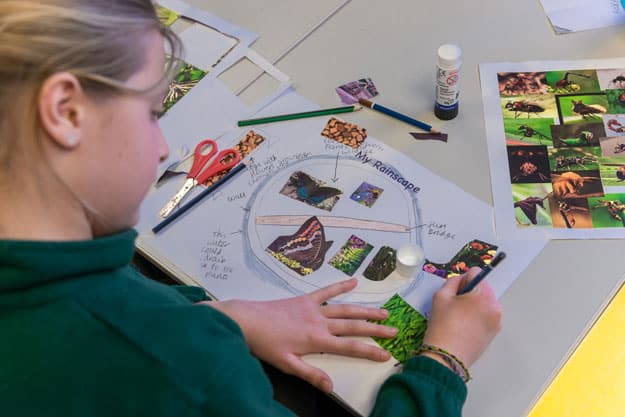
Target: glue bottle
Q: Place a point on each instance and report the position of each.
(448, 81)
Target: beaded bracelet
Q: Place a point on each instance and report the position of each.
(454, 363)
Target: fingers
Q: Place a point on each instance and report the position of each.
(333, 290)
(349, 311)
(454, 284)
(314, 376)
(360, 328)
(354, 348)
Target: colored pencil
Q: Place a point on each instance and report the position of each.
(397, 115)
(205, 193)
(485, 271)
(302, 115)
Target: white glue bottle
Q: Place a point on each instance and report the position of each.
(448, 81)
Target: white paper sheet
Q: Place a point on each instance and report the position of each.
(576, 15)
(506, 225)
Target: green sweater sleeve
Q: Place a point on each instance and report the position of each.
(192, 293)
(424, 388)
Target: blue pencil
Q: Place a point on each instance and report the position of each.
(485, 271)
(173, 216)
(398, 116)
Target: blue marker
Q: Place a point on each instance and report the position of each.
(485, 271)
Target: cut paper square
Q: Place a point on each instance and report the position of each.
(410, 325)
(608, 211)
(187, 77)
(366, 194)
(346, 133)
(382, 264)
(307, 189)
(304, 251)
(349, 258)
(474, 253)
(354, 90)
(570, 213)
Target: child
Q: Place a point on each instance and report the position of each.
(83, 334)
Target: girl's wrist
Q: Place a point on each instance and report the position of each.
(445, 358)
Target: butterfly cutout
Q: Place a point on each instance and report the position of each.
(307, 247)
(308, 190)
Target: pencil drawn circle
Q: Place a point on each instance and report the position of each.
(395, 209)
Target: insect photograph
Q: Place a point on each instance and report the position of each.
(576, 184)
(618, 81)
(519, 83)
(566, 82)
(581, 108)
(608, 211)
(612, 170)
(574, 159)
(535, 131)
(526, 107)
(528, 164)
(613, 147)
(610, 79)
(529, 106)
(576, 135)
(531, 204)
(616, 101)
(570, 213)
(614, 124)
(187, 77)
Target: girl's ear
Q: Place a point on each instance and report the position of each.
(61, 109)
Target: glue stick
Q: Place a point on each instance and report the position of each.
(448, 81)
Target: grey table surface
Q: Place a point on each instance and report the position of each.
(558, 296)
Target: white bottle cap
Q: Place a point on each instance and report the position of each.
(449, 56)
(409, 258)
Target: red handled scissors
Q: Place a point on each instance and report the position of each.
(202, 169)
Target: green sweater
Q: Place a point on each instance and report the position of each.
(84, 334)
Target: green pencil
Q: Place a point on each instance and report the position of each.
(293, 116)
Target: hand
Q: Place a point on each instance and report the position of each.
(463, 325)
(280, 332)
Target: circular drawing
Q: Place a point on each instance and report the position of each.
(300, 208)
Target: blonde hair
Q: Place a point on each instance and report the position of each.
(99, 41)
